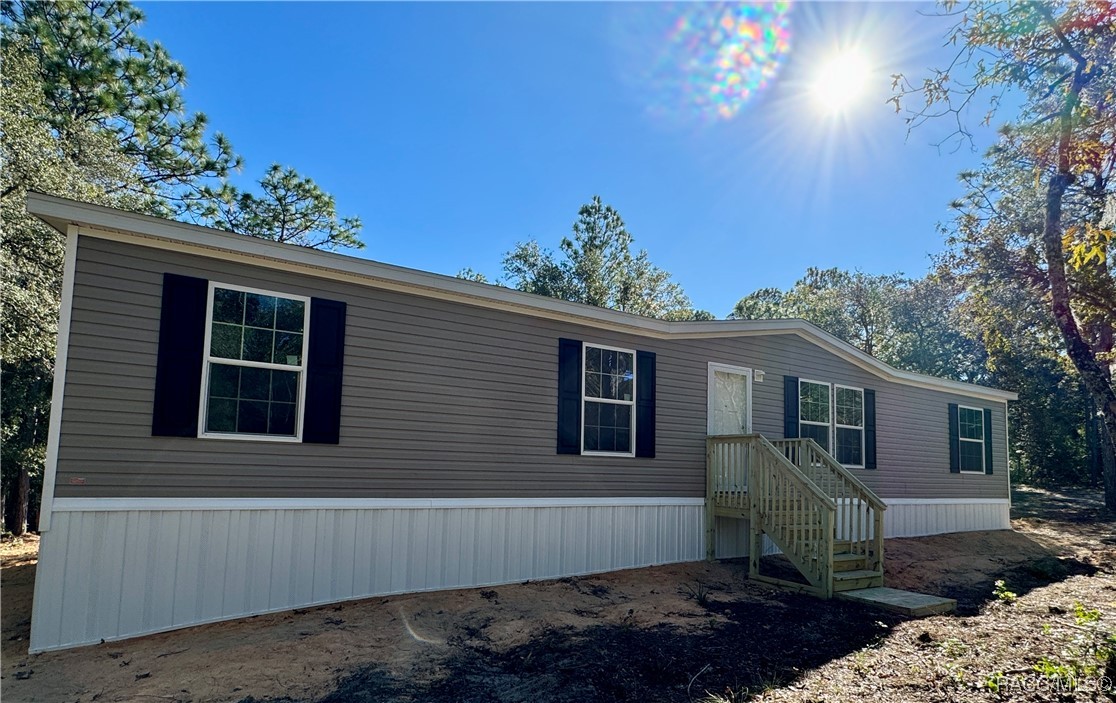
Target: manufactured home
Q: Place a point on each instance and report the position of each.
(241, 426)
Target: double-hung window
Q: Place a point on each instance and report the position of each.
(848, 426)
(833, 416)
(815, 411)
(970, 426)
(608, 400)
(253, 384)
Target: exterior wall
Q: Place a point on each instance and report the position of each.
(446, 475)
(912, 431)
(474, 388)
(111, 574)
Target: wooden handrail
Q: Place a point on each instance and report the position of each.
(787, 463)
(782, 502)
(859, 509)
(836, 467)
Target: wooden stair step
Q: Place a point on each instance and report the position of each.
(857, 574)
(849, 562)
(735, 513)
(856, 579)
(845, 545)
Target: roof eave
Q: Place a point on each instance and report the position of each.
(61, 213)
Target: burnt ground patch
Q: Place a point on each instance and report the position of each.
(747, 646)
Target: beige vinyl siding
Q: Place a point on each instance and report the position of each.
(441, 399)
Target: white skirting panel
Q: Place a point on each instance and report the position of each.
(917, 517)
(112, 574)
(904, 517)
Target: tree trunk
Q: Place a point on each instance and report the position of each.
(1094, 449)
(1108, 471)
(1093, 373)
(19, 513)
(18, 497)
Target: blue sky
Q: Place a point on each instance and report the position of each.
(456, 130)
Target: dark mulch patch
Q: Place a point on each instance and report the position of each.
(751, 647)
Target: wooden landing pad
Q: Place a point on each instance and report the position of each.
(905, 602)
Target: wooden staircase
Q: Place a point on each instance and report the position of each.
(823, 519)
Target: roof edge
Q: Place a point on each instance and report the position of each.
(99, 220)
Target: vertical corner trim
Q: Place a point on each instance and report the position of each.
(58, 390)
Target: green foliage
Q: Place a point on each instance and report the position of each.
(87, 166)
(1037, 223)
(597, 267)
(906, 323)
(94, 112)
(469, 274)
(949, 324)
(953, 647)
(1085, 616)
(1003, 594)
(1088, 651)
(1051, 669)
(995, 309)
(291, 209)
(994, 681)
(697, 592)
(99, 76)
(1024, 353)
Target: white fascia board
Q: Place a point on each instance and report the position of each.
(145, 230)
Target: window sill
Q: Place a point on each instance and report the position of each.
(974, 473)
(621, 455)
(250, 437)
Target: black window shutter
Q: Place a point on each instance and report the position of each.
(645, 404)
(178, 370)
(790, 407)
(325, 363)
(869, 429)
(954, 440)
(987, 441)
(569, 396)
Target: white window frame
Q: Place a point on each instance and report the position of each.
(837, 425)
(209, 360)
(828, 425)
(585, 346)
(983, 434)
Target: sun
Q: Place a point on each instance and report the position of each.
(840, 81)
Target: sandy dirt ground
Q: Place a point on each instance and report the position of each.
(687, 632)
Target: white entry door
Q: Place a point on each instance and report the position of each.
(730, 399)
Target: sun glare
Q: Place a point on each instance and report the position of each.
(840, 81)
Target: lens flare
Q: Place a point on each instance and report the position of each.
(841, 80)
(717, 56)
